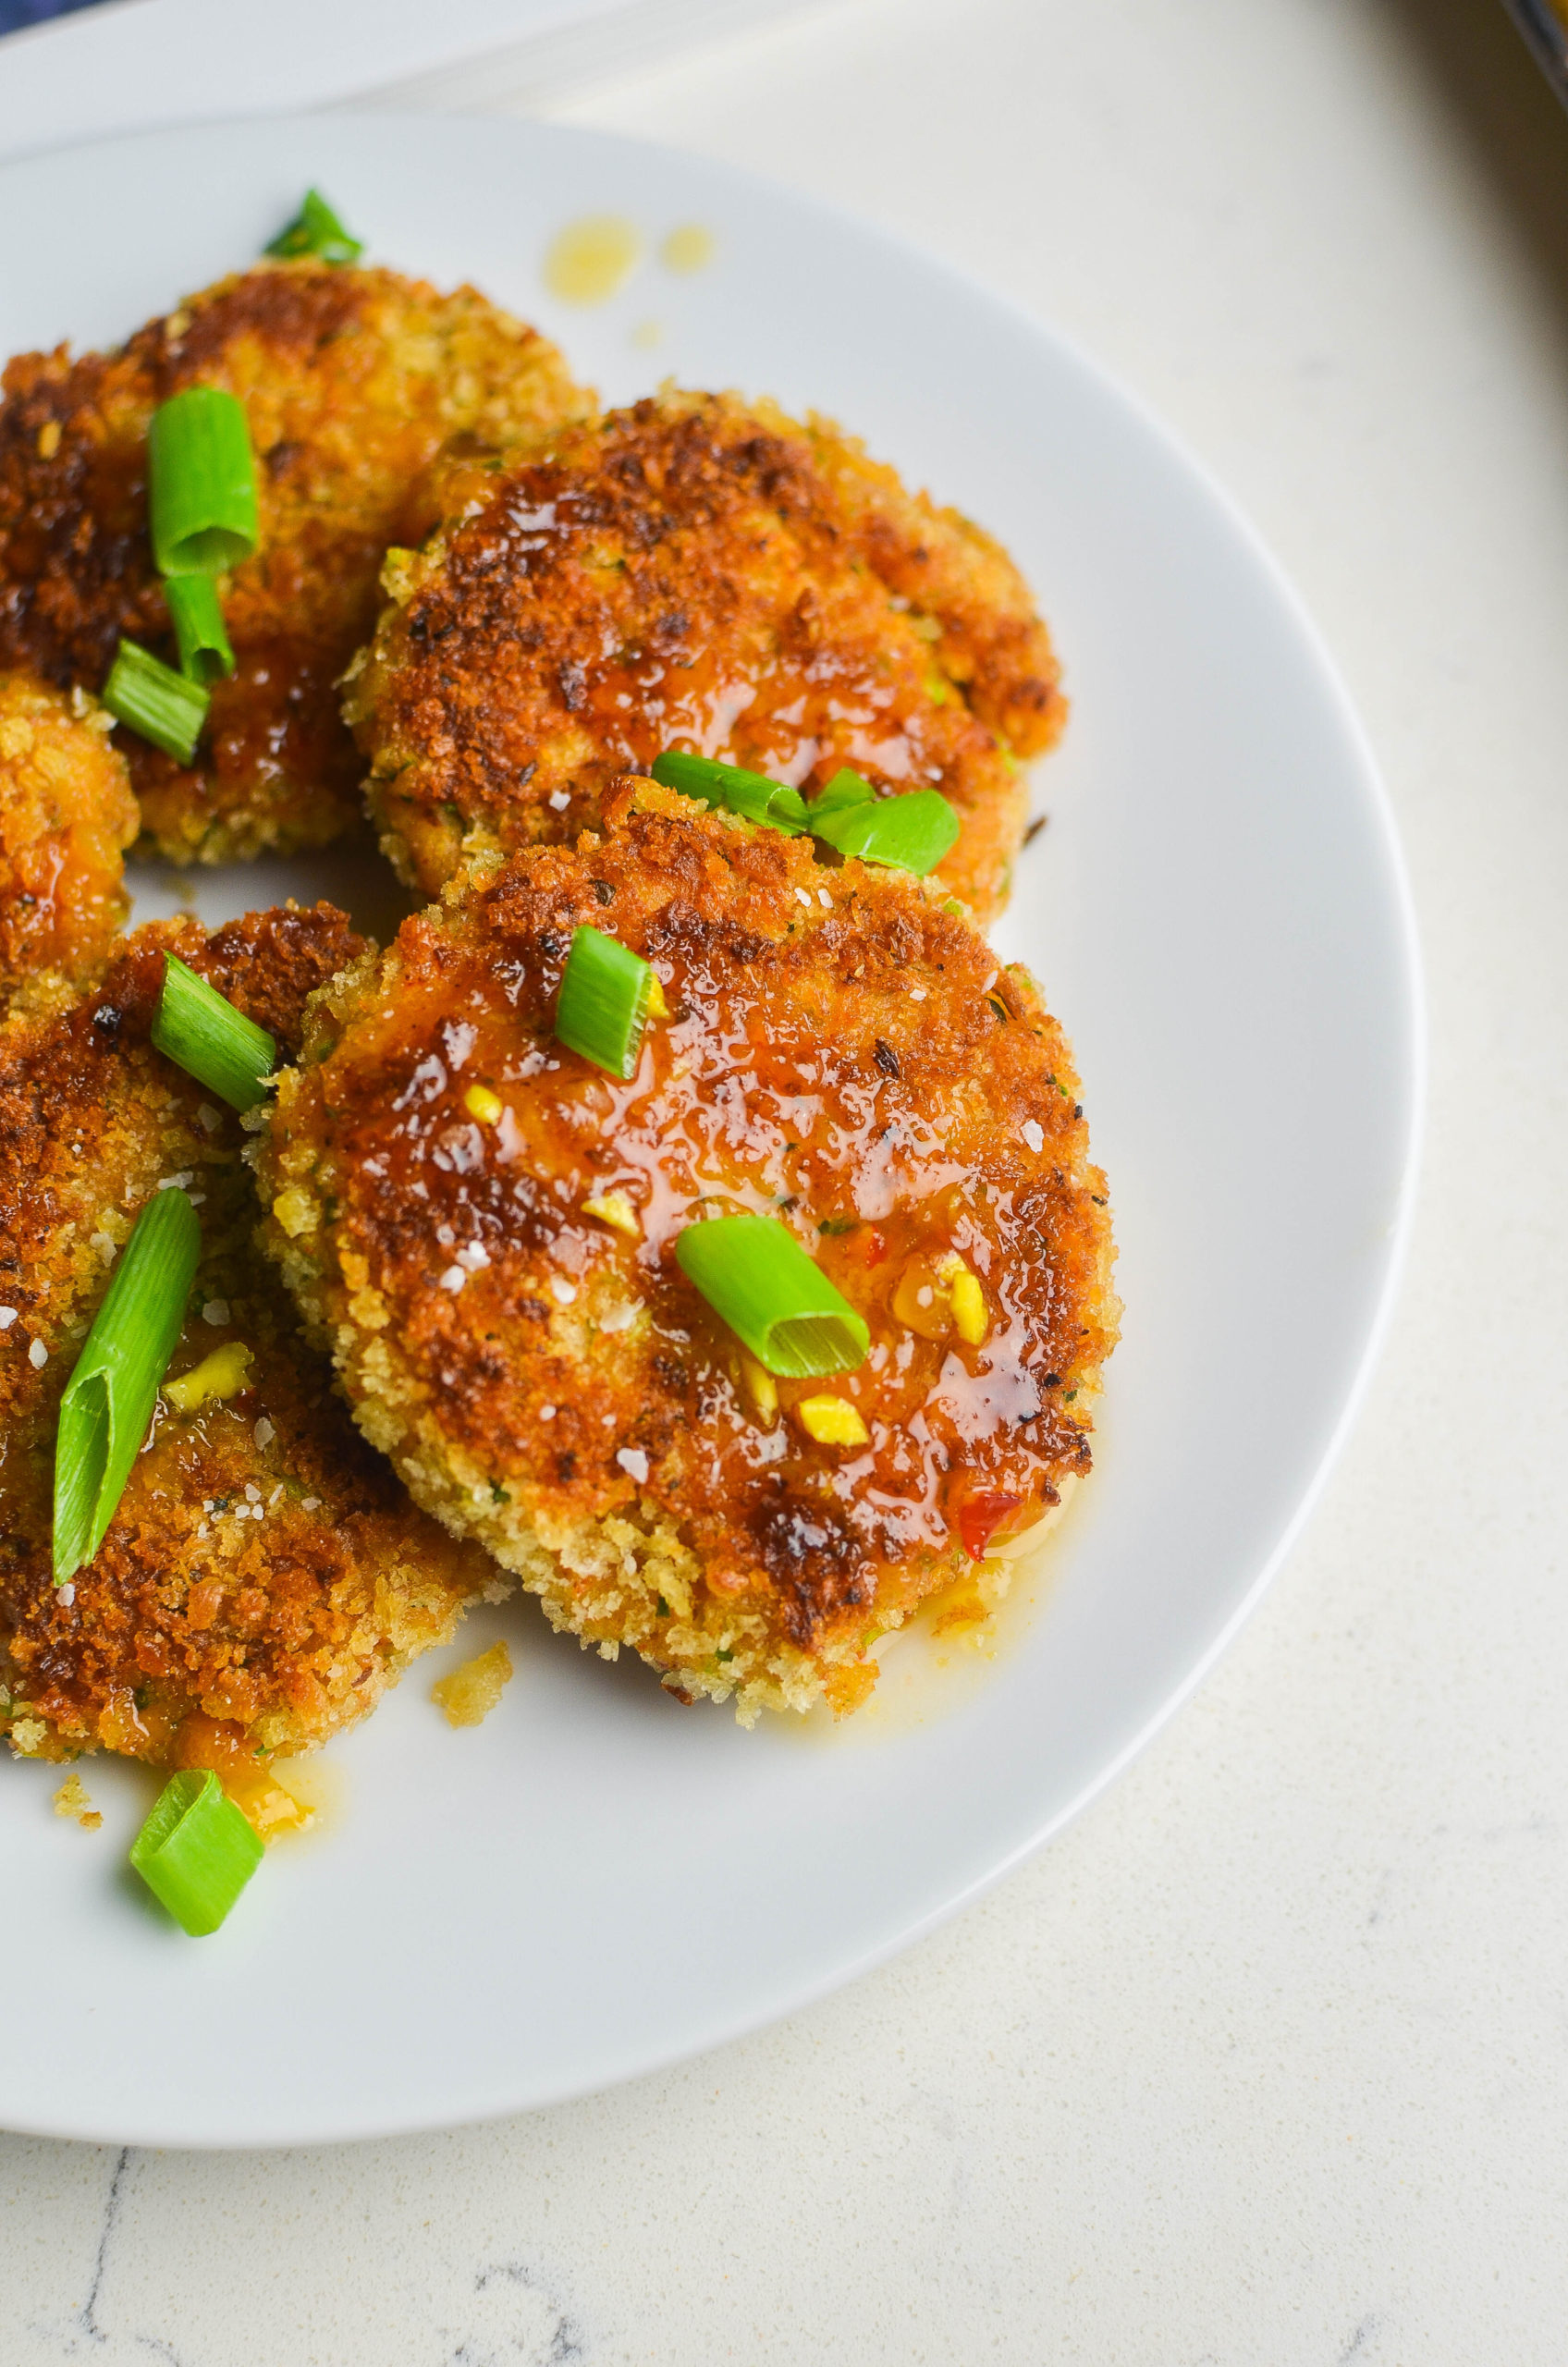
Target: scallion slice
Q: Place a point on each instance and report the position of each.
(212, 1041)
(754, 1275)
(109, 1397)
(753, 794)
(196, 1851)
(845, 789)
(197, 611)
(603, 1005)
(200, 483)
(911, 832)
(316, 231)
(158, 704)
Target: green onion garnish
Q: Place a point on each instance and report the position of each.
(109, 1397)
(912, 832)
(316, 231)
(200, 483)
(196, 1851)
(753, 794)
(204, 653)
(603, 1005)
(845, 789)
(212, 1041)
(156, 702)
(754, 1274)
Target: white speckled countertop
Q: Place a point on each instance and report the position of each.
(1266, 2060)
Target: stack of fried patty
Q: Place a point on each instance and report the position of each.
(476, 1225)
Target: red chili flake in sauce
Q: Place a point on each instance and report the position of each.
(981, 1518)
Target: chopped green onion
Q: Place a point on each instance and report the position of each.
(212, 1041)
(160, 705)
(204, 653)
(200, 483)
(316, 231)
(603, 1005)
(196, 1851)
(109, 1397)
(912, 832)
(754, 1274)
(845, 789)
(753, 794)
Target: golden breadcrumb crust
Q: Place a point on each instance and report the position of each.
(67, 815)
(265, 1577)
(351, 381)
(699, 572)
(840, 1051)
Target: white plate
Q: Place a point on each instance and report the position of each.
(597, 1880)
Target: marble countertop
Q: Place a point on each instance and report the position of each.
(1264, 2060)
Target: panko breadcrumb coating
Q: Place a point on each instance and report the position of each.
(704, 573)
(483, 1226)
(67, 815)
(351, 381)
(265, 1577)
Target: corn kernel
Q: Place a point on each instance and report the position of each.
(970, 1318)
(658, 1007)
(762, 1388)
(481, 1103)
(832, 1421)
(223, 1374)
(616, 1209)
(295, 1210)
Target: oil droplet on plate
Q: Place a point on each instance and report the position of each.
(589, 260)
(689, 248)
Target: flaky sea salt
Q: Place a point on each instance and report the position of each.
(215, 1311)
(453, 1279)
(263, 1432)
(1034, 1134)
(38, 1356)
(633, 1462)
(563, 1290)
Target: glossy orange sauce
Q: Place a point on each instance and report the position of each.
(740, 1101)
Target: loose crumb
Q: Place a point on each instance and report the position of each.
(469, 1695)
(71, 1800)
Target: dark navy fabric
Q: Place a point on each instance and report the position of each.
(15, 14)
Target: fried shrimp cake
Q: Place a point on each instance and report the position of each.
(265, 1577)
(351, 381)
(67, 815)
(485, 1226)
(702, 574)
